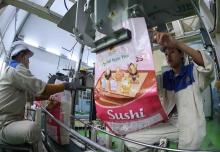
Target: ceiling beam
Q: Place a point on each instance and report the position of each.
(36, 9)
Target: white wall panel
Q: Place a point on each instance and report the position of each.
(42, 63)
(48, 35)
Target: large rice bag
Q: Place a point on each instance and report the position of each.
(62, 112)
(126, 93)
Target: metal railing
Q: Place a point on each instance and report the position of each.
(96, 146)
(137, 142)
(76, 135)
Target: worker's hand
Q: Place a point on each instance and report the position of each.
(72, 85)
(52, 79)
(55, 97)
(165, 40)
(52, 104)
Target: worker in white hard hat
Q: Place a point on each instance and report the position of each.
(20, 54)
(15, 84)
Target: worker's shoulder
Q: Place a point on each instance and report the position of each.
(23, 70)
(185, 70)
(20, 69)
(7, 74)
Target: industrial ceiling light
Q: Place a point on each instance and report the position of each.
(72, 57)
(31, 42)
(53, 51)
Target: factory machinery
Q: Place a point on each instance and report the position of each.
(97, 24)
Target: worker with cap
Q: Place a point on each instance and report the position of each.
(180, 93)
(15, 84)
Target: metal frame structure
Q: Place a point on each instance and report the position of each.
(24, 148)
(34, 8)
(92, 144)
(85, 35)
(88, 125)
(217, 16)
(76, 135)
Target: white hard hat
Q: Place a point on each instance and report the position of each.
(19, 46)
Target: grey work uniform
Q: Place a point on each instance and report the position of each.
(15, 83)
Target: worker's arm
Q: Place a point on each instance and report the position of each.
(42, 97)
(166, 40)
(51, 89)
(24, 80)
(196, 55)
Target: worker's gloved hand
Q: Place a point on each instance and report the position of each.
(52, 79)
(72, 85)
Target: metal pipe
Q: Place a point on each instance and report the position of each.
(75, 93)
(92, 110)
(209, 38)
(80, 57)
(3, 45)
(22, 25)
(16, 32)
(76, 134)
(197, 11)
(141, 143)
(49, 4)
(74, 98)
(45, 126)
(217, 16)
(11, 18)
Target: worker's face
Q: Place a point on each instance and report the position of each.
(174, 57)
(25, 59)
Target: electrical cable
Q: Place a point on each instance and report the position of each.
(65, 5)
(87, 59)
(215, 16)
(8, 23)
(2, 35)
(72, 49)
(16, 19)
